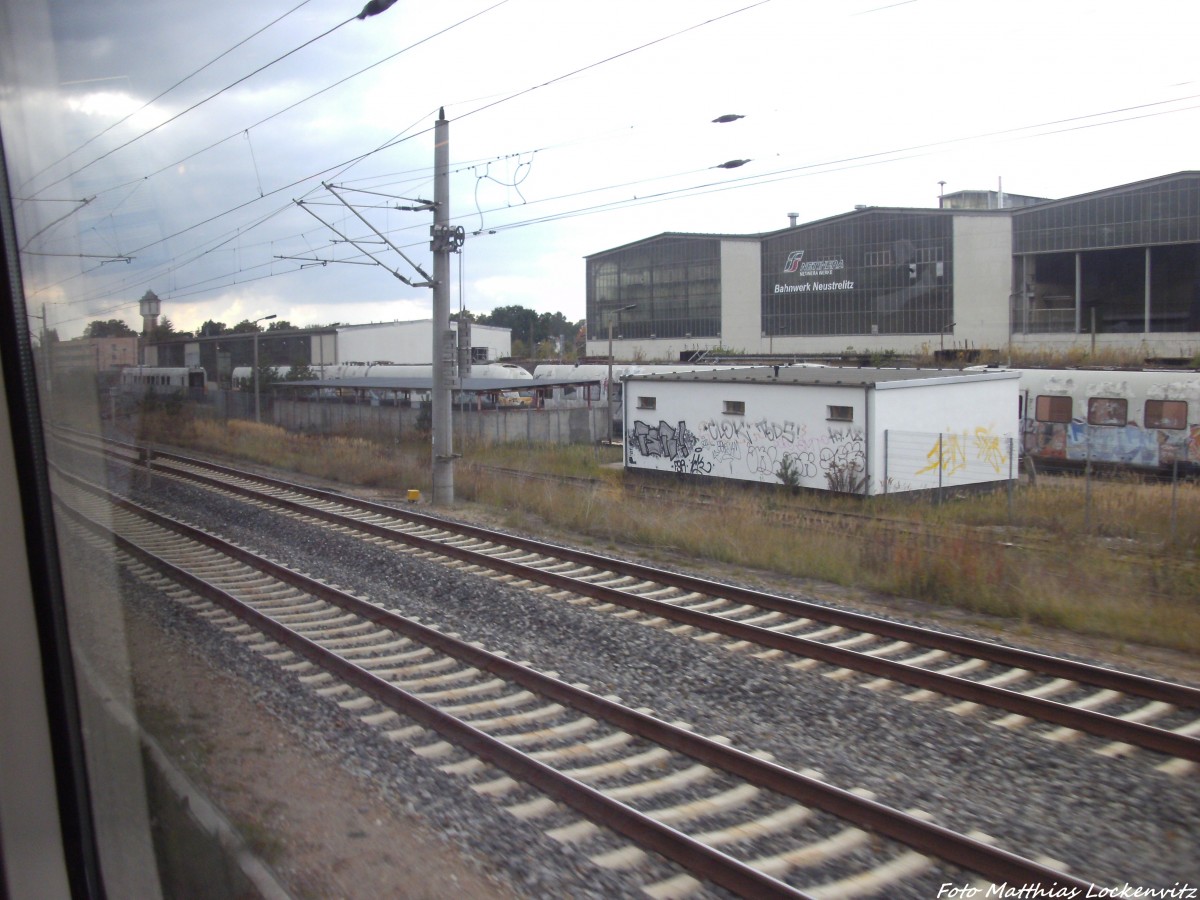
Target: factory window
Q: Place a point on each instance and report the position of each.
(840, 413)
(735, 407)
(1053, 409)
(1166, 414)
(884, 273)
(647, 402)
(1108, 411)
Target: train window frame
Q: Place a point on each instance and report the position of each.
(1049, 408)
(1169, 415)
(1108, 412)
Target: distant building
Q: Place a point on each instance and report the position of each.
(1117, 268)
(402, 343)
(93, 354)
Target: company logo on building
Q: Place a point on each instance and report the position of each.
(825, 267)
(793, 261)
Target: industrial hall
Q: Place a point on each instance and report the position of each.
(1117, 268)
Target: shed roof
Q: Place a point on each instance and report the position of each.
(832, 376)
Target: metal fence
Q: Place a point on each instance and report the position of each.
(922, 461)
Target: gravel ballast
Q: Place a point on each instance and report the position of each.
(1109, 820)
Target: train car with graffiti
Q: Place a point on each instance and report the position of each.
(861, 431)
(1112, 418)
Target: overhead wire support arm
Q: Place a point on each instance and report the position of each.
(365, 252)
(428, 280)
(424, 205)
(325, 262)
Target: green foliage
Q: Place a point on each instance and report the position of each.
(532, 332)
(108, 329)
(425, 419)
(788, 472)
(300, 373)
(212, 329)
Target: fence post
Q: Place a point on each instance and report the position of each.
(940, 469)
(1174, 493)
(1011, 451)
(885, 461)
(1087, 483)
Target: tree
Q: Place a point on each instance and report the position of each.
(166, 328)
(281, 325)
(111, 328)
(212, 329)
(302, 372)
(245, 327)
(530, 328)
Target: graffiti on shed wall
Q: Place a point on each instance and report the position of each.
(952, 453)
(756, 450)
(669, 442)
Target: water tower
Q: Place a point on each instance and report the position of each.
(150, 307)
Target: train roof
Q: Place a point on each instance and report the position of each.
(481, 385)
(831, 376)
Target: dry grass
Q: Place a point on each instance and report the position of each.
(1110, 561)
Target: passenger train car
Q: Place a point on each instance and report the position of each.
(242, 375)
(1142, 419)
(163, 380)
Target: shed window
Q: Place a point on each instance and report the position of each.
(840, 413)
(1108, 411)
(735, 407)
(1053, 409)
(1166, 413)
(647, 402)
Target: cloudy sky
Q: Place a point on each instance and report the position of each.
(201, 135)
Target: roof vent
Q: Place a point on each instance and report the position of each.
(793, 218)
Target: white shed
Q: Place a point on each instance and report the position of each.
(863, 431)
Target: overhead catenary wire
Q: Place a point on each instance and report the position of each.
(164, 93)
(809, 170)
(751, 180)
(194, 106)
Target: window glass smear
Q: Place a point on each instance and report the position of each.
(37, 129)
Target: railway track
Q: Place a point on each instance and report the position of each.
(1061, 699)
(542, 748)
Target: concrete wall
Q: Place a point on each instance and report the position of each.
(928, 436)
(741, 296)
(982, 280)
(538, 426)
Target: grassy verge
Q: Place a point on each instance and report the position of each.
(1118, 559)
